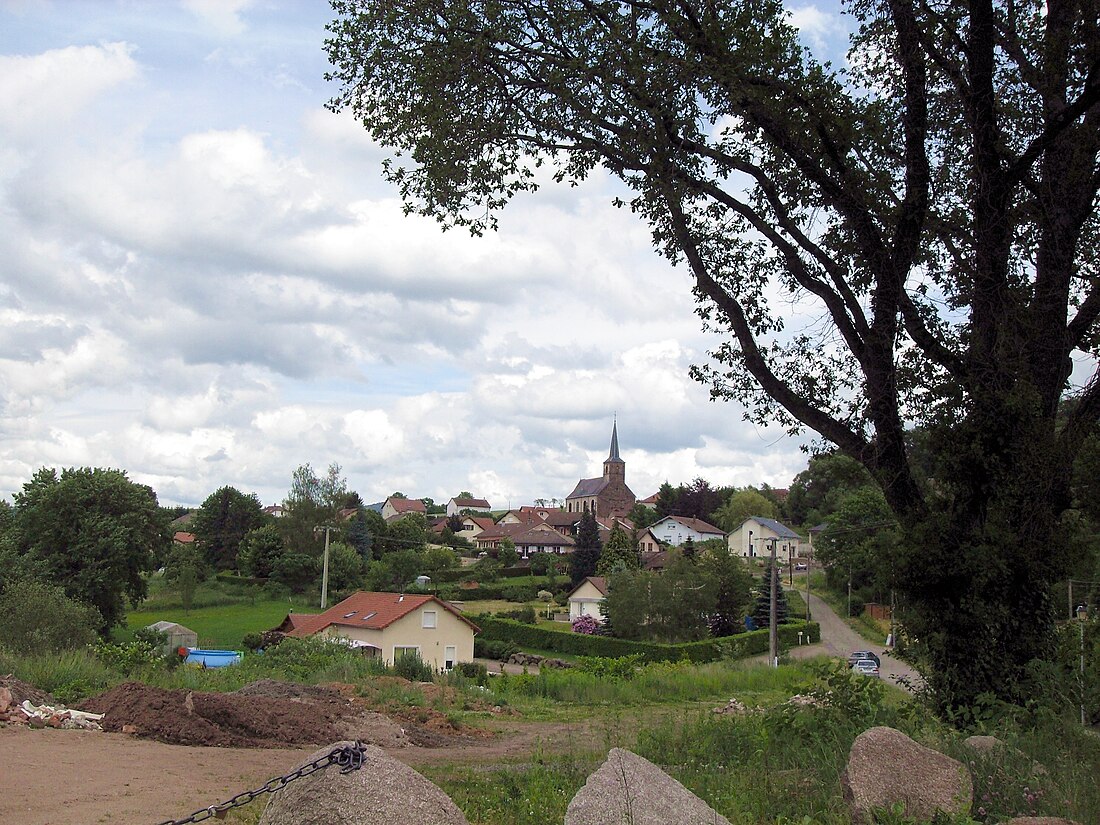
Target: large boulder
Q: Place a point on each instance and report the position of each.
(628, 788)
(383, 790)
(886, 767)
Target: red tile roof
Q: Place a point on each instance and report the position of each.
(405, 505)
(472, 503)
(183, 538)
(599, 582)
(374, 611)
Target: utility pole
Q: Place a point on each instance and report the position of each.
(324, 571)
(809, 564)
(773, 613)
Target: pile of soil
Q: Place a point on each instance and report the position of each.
(240, 720)
(21, 691)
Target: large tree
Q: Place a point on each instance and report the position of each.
(313, 502)
(222, 522)
(92, 532)
(929, 210)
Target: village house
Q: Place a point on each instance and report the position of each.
(395, 508)
(456, 506)
(585, 598)
(676, 530)
(391, 625)
(753, 538)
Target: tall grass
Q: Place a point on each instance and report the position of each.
(664, 682)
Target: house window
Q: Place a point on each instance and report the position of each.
(449, 656)
(401, 651)
(428, 618)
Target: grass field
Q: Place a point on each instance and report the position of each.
(219, 626)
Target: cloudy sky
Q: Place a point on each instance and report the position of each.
(204, 281)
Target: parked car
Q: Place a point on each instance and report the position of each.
(855, 656)
(800, 566)
(867, 667)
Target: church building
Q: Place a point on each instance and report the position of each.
(608, 496)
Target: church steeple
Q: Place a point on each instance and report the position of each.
(614, 466)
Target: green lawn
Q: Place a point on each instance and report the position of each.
(220, 626)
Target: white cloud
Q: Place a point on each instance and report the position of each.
(223, 16)
(44, 92)
(817, 26)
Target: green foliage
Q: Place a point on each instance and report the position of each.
(742, 504)
(618, 669)
(410, 532)
(862, 540)
(525, 614)
(91, 531)
(313, 501)
(732, 590)
(345, 567)
(221, 523)
(252, 641)
(260, 551)
(506, 553)
(673, 605)
(761, 611)
(586, 554)
(434, 560)
(817, 492)
(394, 571)
(36, 617)
(129, 658)
(410, 666)
(619, 553)
(297, 571)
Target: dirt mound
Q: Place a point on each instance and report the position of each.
(234, 719)
(290, 690)
(21, 691)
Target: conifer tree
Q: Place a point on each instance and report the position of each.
(761, 613)
(586, 555)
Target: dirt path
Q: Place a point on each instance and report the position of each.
(65, 777)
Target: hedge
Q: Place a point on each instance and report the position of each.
(728, 647)
(492, 590)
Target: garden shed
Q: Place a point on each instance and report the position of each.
(178, 635)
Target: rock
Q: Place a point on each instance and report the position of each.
(1040, 820)
(383, 790)
(734, 707)
(628, 788)
(984, 744)
(886, 767)
(6, 700)
(992, 747)
(129, 730)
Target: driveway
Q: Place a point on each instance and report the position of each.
(837, 639)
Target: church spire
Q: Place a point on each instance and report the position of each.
(614, 455)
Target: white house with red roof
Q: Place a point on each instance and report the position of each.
(456, 505)
(396, 507)
(675, 530)
(391, 625)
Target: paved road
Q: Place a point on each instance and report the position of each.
(837, 639)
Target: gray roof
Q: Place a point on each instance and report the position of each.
(589, 487)
(614, 454)
(777, 527)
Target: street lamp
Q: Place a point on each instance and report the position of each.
(1082, 617)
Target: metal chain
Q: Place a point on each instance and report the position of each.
(349, 758)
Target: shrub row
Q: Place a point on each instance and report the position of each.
(742, 645)
(491, 590)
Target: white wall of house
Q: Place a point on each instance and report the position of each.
(585, 601)
(675, 532)
(752, 540)
(440, 637)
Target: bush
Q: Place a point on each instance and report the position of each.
(473, 670)
(410, 666)
(129, 657)
(36, 617)
(589, 625)
(498, 649)
(525, 614)
(252, 641)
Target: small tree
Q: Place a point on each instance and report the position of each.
(36, 617)
(260, 551)
(507, 552)
(620, 552)
(761, 612)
